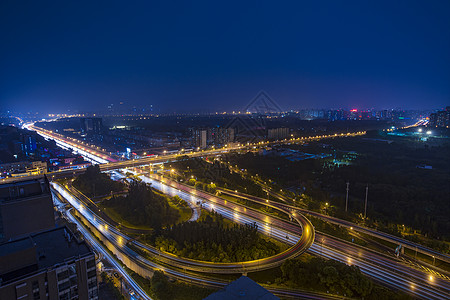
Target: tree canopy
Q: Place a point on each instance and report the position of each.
(211, 239)
(144, 206)
(94, 183)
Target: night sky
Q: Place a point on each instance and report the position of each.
(213, 56)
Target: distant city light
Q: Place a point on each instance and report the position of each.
(420, 130)
(428, 132)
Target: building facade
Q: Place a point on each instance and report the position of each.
(25, 206)
(277, 133)
(199, 137)
(51, 265)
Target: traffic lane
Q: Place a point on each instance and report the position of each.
(120, 239)
(94, 243)
(403, 283)
(395, 266)
(350, 225)
(372, 272)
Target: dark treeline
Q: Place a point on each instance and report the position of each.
(277, 168)
(144, 206)
(94, 183)
(400, 192)
(211, 239)
(335, 277)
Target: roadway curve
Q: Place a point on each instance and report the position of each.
(381, 268)
(386, 271)
(189, 277)
(372, 232)
(303, 243)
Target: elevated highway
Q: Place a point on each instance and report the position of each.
(301, 245)
(349, 225)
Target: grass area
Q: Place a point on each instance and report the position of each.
(185, 212)
(113, 214)
(281, 245)
(269, 276)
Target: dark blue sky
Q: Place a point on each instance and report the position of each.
(211, 55)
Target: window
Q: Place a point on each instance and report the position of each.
(90, 264)
(63, 275)
(36, 295)
(63, 286)
(64, 296)
(92, 285)
(35, 289)
(92, 273)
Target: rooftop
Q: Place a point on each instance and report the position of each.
(39, 251)
(23, 188)
(240, 289)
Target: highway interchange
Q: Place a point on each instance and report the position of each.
(383, 269)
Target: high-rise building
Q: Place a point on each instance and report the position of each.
(277, 133)
(51, 264)
(91, 125)
(29, 144)
(220, 136)
(440, 118)
(199, 137)
(25, 206)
